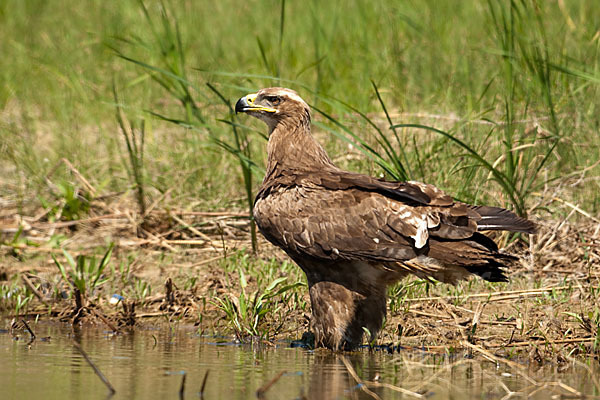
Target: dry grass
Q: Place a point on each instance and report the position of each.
(173, 264)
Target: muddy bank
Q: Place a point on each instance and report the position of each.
(198, 268)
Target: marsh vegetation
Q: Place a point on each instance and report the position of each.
(127, 180)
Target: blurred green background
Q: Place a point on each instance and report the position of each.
(510, 87)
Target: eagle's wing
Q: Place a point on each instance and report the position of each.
(337, 215)
(356, 223)
(458, 220)
(324, 224)
(413, 193)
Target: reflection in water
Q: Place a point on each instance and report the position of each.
(149, 364)
(329, 377)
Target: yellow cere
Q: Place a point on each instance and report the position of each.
(251, 97)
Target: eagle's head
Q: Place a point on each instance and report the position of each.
(274, 106)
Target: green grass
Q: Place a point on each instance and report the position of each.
(84, 273)
(512, 88)
(15, 298)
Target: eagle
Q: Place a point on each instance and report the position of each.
(353, 235)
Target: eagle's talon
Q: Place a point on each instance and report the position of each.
(307, 341)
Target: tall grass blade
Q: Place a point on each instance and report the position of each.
(242, 147)
(281, 30)
(403, 167)
(135, 150)
(362, 145)
(499, 176)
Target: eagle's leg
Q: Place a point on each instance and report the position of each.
(340, 313)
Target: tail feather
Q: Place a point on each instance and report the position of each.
(479, 255)
(492, 271)
(499, 219)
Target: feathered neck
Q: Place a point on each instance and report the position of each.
(292, 147)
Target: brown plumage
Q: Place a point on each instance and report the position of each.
(353, 235)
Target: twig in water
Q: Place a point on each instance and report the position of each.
(204, 383)
(509, 393)
(544, 385)
(29, 330)
(437, 374)
(105, 320)
(260, 392)
(111, 389)
(182, 387)
(589, 370)
(379, 384)
(395, 388)
(359, 381)
(511, 364)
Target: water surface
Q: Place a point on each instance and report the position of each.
(150, 364)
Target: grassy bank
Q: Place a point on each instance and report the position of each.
(117, 128)
(548, 312)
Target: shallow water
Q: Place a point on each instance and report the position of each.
(150, 364)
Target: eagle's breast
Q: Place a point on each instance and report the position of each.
(276, 215)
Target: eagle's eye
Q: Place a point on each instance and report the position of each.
(274, 100)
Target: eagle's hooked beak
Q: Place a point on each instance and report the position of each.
(246, 104)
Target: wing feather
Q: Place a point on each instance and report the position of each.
(345, 216)
(313, 221)
(358, 225)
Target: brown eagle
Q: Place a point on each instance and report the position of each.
(353, 235)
